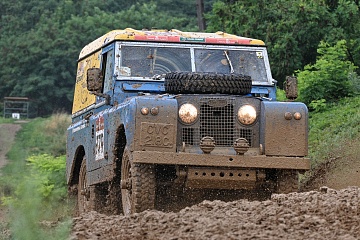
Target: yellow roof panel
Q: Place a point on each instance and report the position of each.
(173, 35)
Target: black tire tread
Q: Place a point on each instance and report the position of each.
(141, 197)
(143, 187)
(83, 204)
(202, 82)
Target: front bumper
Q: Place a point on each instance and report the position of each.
(232, 161)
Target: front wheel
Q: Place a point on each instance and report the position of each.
(83, 194)
(137, 185)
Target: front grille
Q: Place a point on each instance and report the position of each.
(245, 133)
(188, 136)
(217, 120)
(191, 136)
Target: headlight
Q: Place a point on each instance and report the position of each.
(247, 114)
(188, 113)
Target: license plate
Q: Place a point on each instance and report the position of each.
(157, 135)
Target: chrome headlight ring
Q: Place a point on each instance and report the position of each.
(247, 114)
(188, 113)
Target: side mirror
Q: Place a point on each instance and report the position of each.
(291, 88)
(94, 79)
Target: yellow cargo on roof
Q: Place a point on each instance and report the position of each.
(173, 35)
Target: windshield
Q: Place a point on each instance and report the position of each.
(245, 62)
(150, 61)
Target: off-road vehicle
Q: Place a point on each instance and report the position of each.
(159, 115)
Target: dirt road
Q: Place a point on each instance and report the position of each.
(7, 135)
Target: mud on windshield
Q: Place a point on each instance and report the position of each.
(150, 61)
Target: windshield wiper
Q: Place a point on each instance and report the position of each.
(153, 61)
(229, 61)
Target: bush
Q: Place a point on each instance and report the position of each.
(33, 182)
(46, 135)
(332, 77)
(318, 105)
(280, 95)
(49, 173)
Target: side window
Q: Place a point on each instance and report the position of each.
(108, 70)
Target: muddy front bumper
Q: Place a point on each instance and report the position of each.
(222, 171)
(232, 161)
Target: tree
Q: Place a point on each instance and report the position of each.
(291, 29)
(41, 40)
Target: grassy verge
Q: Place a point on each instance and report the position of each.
(334, 129)
(33, 182)
(334, 134)
(6, 120)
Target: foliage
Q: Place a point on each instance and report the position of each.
(46, 135)
(35, 190)
(40, 41)
(318, 105)
(333, 129)
(280, 95)
(49, 172)
(291, 29)
(328, 78)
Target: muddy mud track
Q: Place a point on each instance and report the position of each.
(323, 214)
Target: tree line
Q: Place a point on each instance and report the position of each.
(317, 40)
(41, 39)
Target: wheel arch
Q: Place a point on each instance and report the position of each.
(120, 144)
(74, 175)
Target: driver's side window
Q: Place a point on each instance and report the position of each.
(108, 69)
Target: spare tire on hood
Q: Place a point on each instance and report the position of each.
(203, 82)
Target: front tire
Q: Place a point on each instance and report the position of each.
(84, 192)
(137, 185)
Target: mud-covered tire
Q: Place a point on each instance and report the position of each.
(85, 195)
(287, 181)
(137, 185)
(113, 202)
(191, 82)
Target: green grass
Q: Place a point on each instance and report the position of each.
(33, 183)
(6, 120)
(45, 135)
(332, 131)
